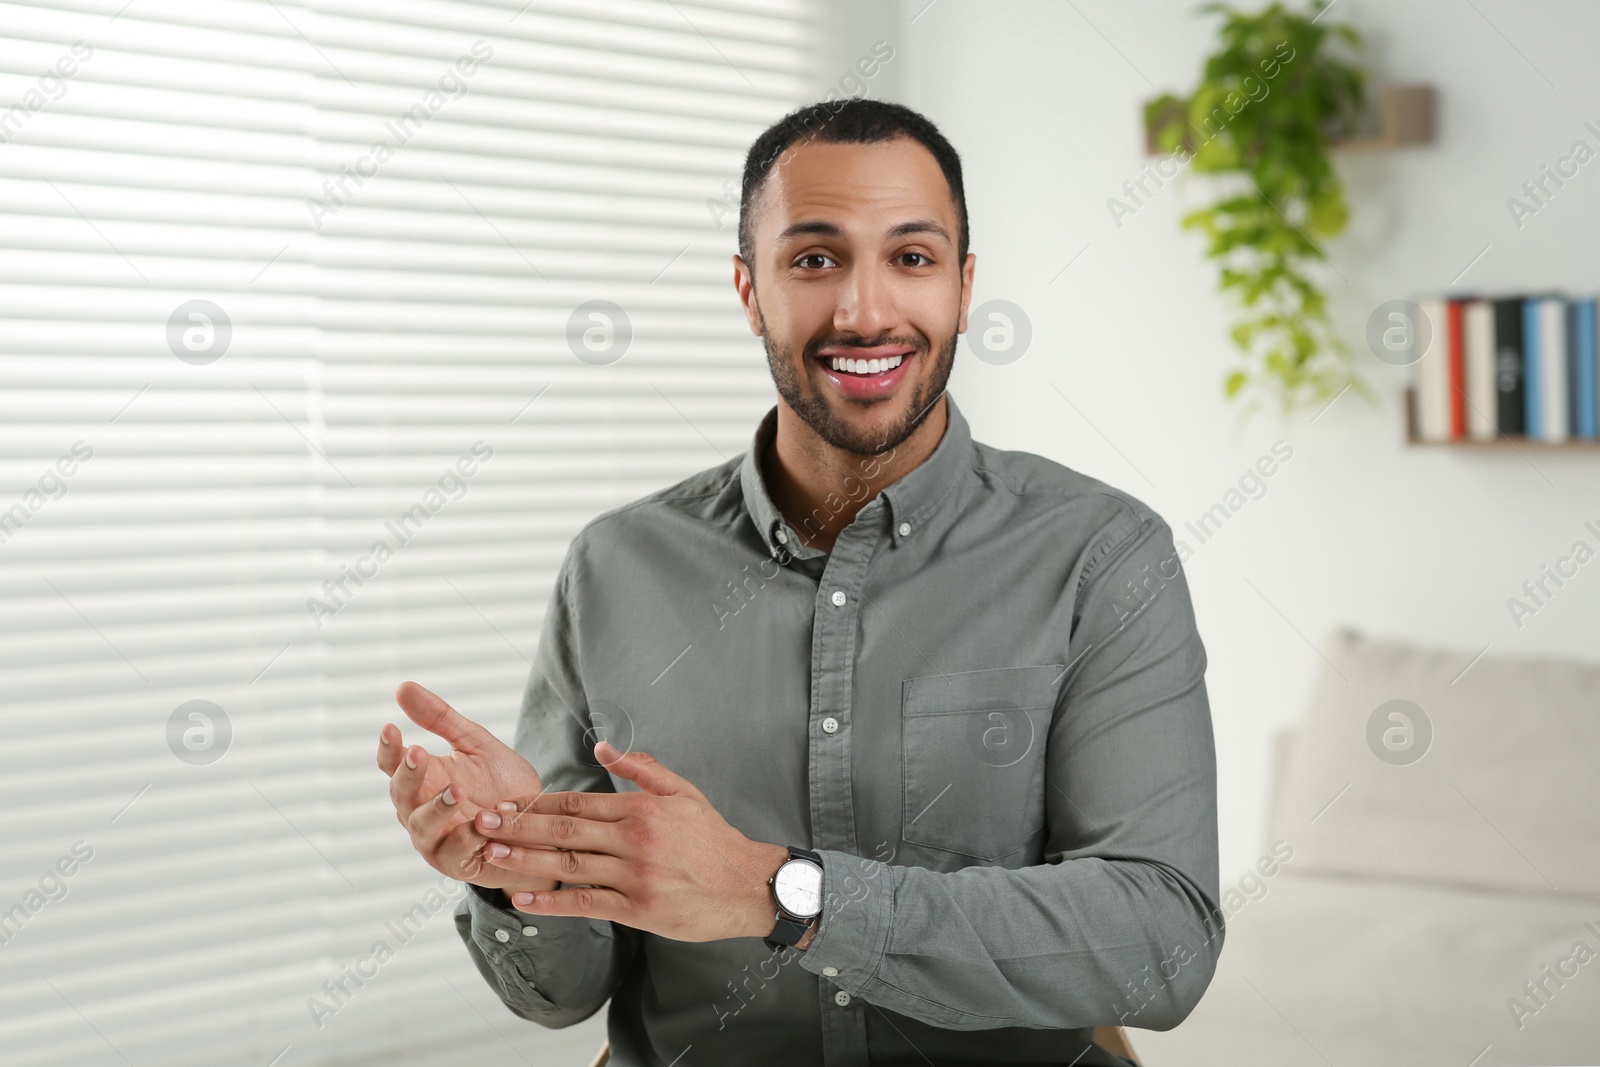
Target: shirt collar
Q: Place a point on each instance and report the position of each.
(911, 500)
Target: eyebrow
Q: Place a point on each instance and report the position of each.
(919, 226)
(820, 228)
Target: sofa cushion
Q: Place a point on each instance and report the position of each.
(1504, 795)
(1327, 969)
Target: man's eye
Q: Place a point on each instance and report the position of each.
(813, 261)
(918, 256)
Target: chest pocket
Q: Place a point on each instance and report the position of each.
(972, 759)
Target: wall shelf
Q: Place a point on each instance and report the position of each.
(1500, 441)
(1405, 117)
(1504, 442)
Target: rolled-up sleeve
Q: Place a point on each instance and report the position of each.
(1119, 924)
(553, 970)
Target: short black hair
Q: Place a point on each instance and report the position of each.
(848, 121)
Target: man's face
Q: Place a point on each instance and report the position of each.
(855, 259)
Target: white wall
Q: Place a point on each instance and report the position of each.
(1042, 101)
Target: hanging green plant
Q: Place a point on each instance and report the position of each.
(1271, 101)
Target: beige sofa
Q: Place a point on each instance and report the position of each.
(1439, 902)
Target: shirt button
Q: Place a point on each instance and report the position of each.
(905, 529)
(530, 931)
(838, 598)
(830, 725)
(831, 972)
(783, 538)
(841, 998)
(501, 935)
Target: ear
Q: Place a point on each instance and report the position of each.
(968, 269)
(744, 283)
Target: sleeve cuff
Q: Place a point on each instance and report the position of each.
(516, 939)
(500, 930)
(857, 914)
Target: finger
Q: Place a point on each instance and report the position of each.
(511, 806)
(536, 829)
(430, 823)
(460, 855)
(644, 770)
(431, 713)
(600, 807)
(580, 900)
(389, 748)
(406, 785)
(568, 866)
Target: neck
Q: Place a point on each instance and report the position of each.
(819, 488)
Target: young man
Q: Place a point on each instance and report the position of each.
(931, 713)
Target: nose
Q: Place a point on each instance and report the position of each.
(866, 304)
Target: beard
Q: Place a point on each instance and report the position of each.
(813, 408)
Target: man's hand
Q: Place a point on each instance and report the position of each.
(436, 797)
(486, 769)
(662, 860)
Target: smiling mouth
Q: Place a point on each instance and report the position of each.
(866, 374)
(865, 363)
(861, 367)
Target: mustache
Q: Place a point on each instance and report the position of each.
(920, 344)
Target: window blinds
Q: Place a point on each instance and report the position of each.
(323, 327)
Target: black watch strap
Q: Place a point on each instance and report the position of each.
(790, 928)
(787, 932)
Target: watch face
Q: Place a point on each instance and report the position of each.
(798, 887)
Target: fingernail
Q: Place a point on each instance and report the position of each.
(383, 737)
(506, 805)
(522, 900)
(445, 796)
(609, 748)
(491, 821)
(409, 761)
(497, 851)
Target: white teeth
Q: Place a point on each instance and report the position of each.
(865, 366)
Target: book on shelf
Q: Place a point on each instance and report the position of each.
(1544, 350)
(1513, 366)
(1478, 327)
(1583, 370)
(1510, 410)
(1456, 386)
(1433, 374)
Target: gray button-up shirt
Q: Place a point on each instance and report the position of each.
(985, 708)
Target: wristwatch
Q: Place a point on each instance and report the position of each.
(797, 890)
